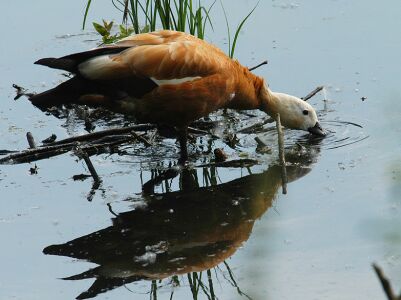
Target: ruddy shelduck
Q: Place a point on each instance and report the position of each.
(169, 78)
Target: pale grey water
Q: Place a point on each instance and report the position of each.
(316, 242)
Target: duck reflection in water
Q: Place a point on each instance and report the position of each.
(176, 233)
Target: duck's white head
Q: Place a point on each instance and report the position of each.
(294, 112)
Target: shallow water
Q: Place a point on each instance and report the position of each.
(341, 213)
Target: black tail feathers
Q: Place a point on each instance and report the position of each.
(66, 92)
(66, 64)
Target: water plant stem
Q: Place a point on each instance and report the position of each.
(281, 153)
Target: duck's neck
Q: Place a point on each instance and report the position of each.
(246, 89)
(269, 101)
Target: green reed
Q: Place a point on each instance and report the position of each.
(233, 43)
(180, 15)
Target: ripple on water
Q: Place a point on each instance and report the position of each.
(339, 134)
(342, 134)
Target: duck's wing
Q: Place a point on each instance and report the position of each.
(167, 70)
(164, 55)
(72, 61)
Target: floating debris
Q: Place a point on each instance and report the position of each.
(220, 155)
(50, 139)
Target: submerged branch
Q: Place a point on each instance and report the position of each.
(82, 154)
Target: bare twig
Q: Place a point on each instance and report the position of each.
(36, 154)
(103, 133)
(50, 139)
(31, 140)
(111, 210)
(95, 147)
(259, 65)
(281, 154)
(141, 138)
(313, 93)
(83, 155)
(255, 126)
(92, 192)
(94, 143)
(262, 147)
(260, 142)
(385, 283)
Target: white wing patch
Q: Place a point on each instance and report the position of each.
(174, 81)
(97, 67)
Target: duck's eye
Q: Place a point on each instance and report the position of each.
(305, 112)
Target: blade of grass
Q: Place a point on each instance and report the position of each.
(207, 18)
(207, 14)
(228, 27)
(191, 18)
(134, 15)
(125, 12)
(88, 4)
(232, 51)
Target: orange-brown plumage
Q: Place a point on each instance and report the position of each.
(163, 77)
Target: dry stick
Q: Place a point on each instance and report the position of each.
(141, 138)
(259, 65)
(82, 154)
(252, 127)
(68, 144)
(28, 158)
(385, 283)
(99, 134)
(260, 142)
(281, 153)
(31, 155)
(35, 152)
(313, 93)
(31, 140)
(111, 210)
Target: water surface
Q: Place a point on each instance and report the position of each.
(341, 212)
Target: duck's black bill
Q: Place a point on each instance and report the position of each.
(317, 130)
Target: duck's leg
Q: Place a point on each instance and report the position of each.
(183, 139)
